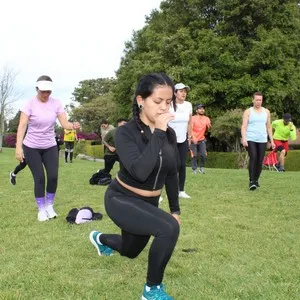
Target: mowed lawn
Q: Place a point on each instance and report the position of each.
(234, 243)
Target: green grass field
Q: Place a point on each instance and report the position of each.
(247, 244)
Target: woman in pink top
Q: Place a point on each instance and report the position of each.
(39, 146)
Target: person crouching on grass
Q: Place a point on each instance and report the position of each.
(147, 150)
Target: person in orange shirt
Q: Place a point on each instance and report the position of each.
(200, 124)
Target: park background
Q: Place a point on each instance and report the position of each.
(225, 51)
(246, 245)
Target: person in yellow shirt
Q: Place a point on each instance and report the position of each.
(284, 129)
(70, 136)
(200, 124)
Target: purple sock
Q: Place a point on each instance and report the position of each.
(40, 203)
(50, 198)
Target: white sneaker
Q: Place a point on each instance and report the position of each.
(42, 216)
(50, 212)
(202, 171)
(183, 194)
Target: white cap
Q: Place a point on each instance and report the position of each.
(44, 85)
(181, 86)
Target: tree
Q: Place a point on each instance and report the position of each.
(91, 89)
(227, 129)
(14, 122)
(90, 114)
(8, 95)
(225, 50)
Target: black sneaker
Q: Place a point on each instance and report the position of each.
(12, 178)
(277, 167)
(256, 183)
(252, 186)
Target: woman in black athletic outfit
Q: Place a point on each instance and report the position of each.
(147, 150)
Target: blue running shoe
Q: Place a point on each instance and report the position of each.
(102, 249)
(156, 292)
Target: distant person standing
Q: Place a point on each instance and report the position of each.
(182, 111)
(110, 154)
(200, 125)
(284, 129)
(40, 148)
(255, 129)
(105, 127)
(70, 136)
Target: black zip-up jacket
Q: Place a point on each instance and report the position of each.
(148, 166)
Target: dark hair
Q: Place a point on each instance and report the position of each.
(145, 88)
(257, 94)
(121, 120)
(44, 78)
(104, 121)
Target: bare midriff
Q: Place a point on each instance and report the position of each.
(140, 192)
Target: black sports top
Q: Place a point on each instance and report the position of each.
(148, 165)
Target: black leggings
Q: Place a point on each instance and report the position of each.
(139, 218)
(109, 161)
(183, 149)
(256, 153)
(35, 159)
(20, 167)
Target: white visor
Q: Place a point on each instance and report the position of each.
(44, 85)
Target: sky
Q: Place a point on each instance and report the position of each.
(69, 40)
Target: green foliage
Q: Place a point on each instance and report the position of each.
(14, 122)
(236, 160)
(79, 148)
(91, 113)
(292, 160)
(222, 160)
(86, 147)
(225, 50)
(96, 151)
(91, 89)
(227, 128)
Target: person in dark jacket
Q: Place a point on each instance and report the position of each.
(147, 150)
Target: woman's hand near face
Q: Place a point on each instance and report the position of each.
(161, 122)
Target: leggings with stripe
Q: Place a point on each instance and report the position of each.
(36, 160)
(139, 218)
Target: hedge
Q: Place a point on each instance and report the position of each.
(221, 160)
(229, 160)
(87, 147)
